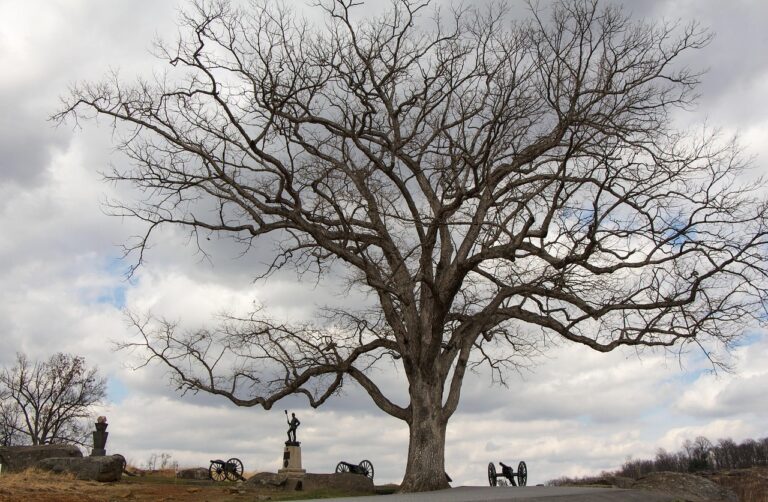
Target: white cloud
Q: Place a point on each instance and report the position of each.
(737, 394)
(718, 429)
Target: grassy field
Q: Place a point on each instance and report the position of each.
(42, 486)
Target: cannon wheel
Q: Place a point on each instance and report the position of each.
(123, 463)
(342, 467)
(491, 474)
(522, 474)
(234, 470)
(216, 471)
(367, 468)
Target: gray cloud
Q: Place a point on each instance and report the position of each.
(733, 89)
(27, 142)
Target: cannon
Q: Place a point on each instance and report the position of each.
(365, 468)
(232, 470)
(507, 472)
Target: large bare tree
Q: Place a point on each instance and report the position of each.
(9, 421)
(46, 402)
(483, 179)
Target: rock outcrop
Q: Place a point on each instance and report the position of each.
(18, 458)
(354, 483)
(193, 473)
(104, 469)
(688, 487)
(267, 479)
(341, 481)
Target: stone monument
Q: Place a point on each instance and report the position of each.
(292, 452)
(100, 438)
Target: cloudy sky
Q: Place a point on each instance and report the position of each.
(62, 286)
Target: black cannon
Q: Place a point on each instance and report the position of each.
(507, 472)
(365, 468)
(232, 470)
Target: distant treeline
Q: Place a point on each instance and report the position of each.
(701, 454)
(697, 455)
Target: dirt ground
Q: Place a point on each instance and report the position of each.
(40, 486)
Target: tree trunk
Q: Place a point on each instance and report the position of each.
(425, 469)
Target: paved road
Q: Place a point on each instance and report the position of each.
(509, 494)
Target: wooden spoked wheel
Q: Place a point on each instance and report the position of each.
(491, 474)
(216, 471)
(234, 470)
(522, 474)
(367, 468)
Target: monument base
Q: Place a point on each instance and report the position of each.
(292, 462)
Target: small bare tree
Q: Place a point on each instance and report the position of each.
(45, 402)
(482, 179)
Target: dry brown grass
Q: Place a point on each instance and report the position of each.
(156, 473)
(751, 485)
(31, 477)
(39, 485)
(43, 486)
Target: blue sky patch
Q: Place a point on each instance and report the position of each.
(117, 269)
(114, 297)
(750, 337)
(116, 390)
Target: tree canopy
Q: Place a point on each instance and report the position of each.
(45, 402)
(483, 179)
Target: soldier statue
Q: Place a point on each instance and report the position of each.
(293, 424)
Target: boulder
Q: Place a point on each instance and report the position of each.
(193, 473)
(18, 458)
(103, 469)
(345, 481)
(268, 479)
(276, 481)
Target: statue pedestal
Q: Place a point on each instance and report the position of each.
(292, 461)
(100, 439)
